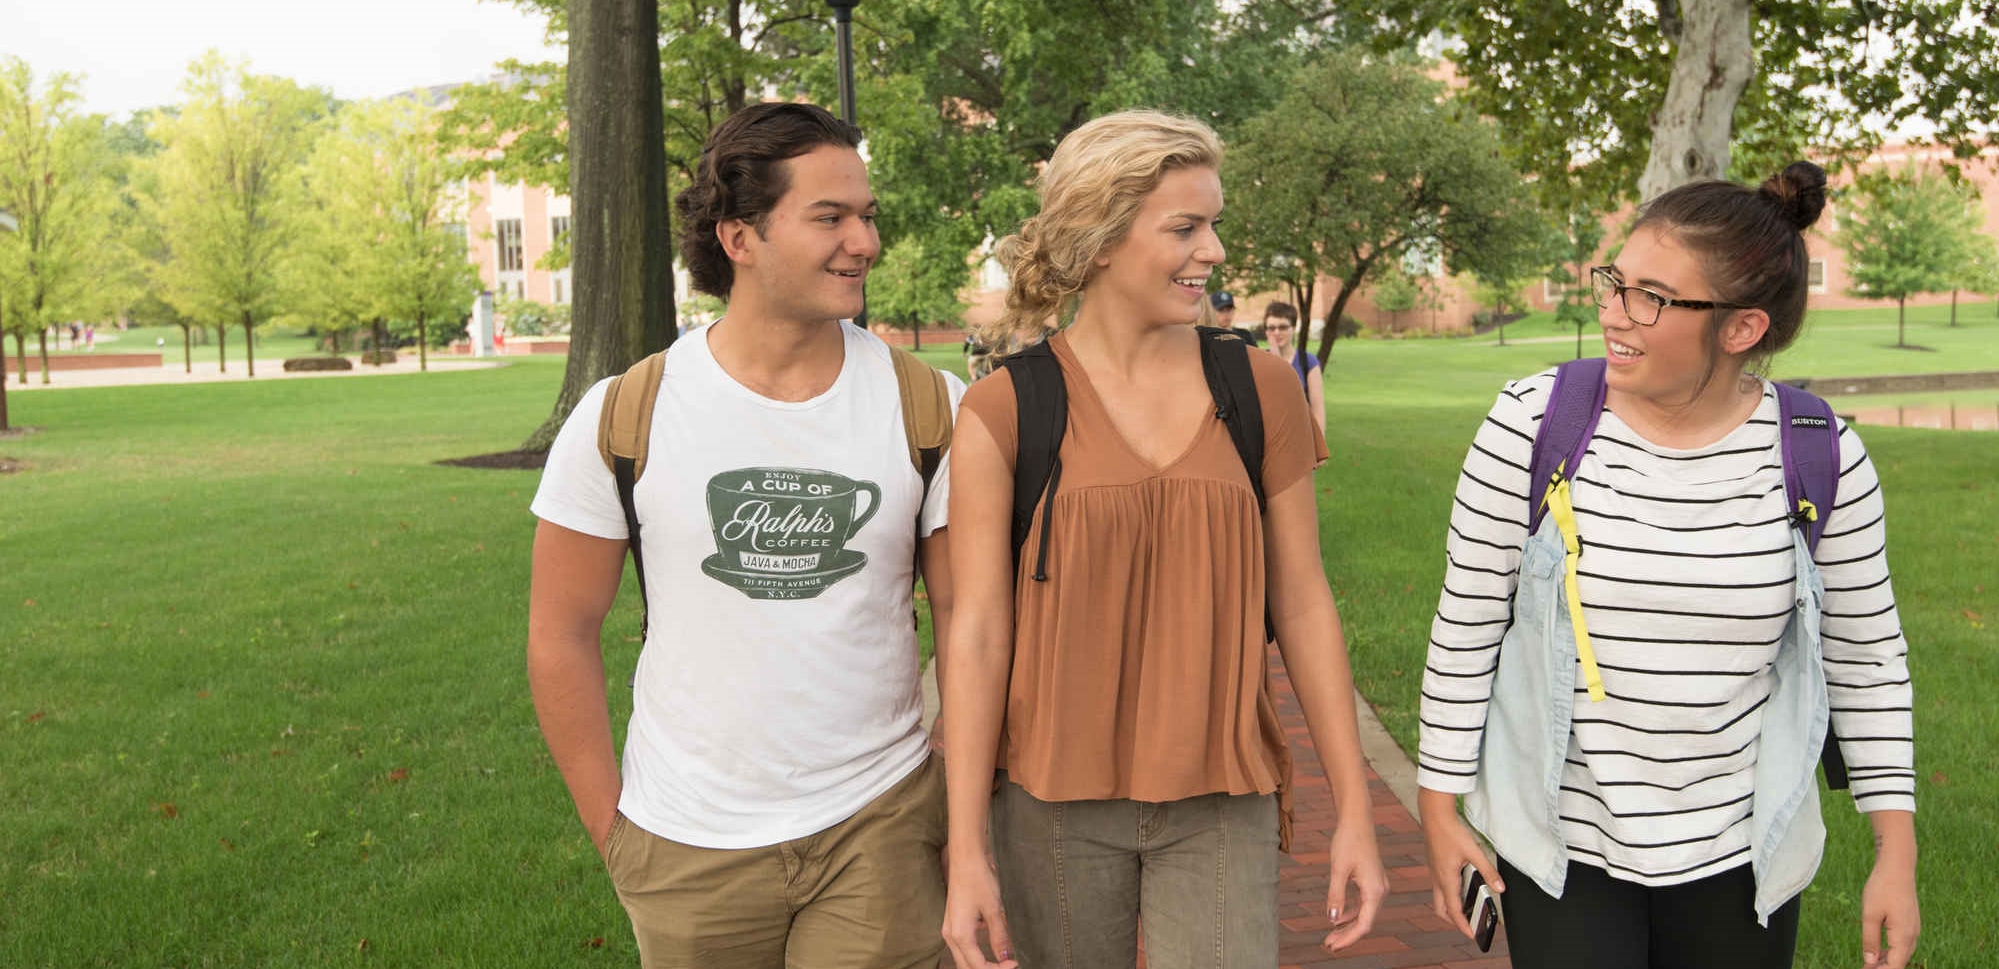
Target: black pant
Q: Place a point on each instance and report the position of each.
(1604, 922)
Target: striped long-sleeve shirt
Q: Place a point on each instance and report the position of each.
(1687, 581)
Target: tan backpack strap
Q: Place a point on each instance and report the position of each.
(926, 411)
(626, 423)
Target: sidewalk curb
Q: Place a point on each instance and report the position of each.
(1387, 759)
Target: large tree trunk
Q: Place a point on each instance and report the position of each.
(42, 340)
(1953, 307)
(1902, 322)
(21, 354)
(249, 344)
(222, 348)
(422, 344)
(621, 258)
(916, 334)
(1713, 62)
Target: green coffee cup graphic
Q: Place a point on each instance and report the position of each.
(782, 533)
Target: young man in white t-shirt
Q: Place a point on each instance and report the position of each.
(777, 804)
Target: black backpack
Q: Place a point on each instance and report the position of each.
(1042, 402)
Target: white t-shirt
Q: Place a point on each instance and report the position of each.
(778, 690)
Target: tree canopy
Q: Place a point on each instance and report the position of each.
(1908, 232)
(1363, 167)
(1591, 92)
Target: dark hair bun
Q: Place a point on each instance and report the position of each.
(1799, 191)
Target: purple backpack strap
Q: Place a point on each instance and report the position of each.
(1575, 404)
(1811, 458)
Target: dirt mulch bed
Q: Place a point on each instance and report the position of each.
(18, 431)
(9, 465)
(503, 461)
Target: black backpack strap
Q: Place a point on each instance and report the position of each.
(1232, 384)
(1225, 362)
(1041, 408)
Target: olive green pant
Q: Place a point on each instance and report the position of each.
(1076, 877)
(867, 893)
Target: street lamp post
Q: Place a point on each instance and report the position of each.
(843, 41)
(843, 38)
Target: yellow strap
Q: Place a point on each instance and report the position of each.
(1809, 510)
(1564, 511)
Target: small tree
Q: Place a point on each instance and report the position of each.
(1980, 272)
(1363, 163)
(911, 287)
(229, 194)
(57, 179)
(1911, 232)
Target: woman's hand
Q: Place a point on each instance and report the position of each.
(972, 902)
(1449, 845)
(1356, 858)
(1888, 903)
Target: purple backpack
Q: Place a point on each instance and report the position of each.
(1810, 447)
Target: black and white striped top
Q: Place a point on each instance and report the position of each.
(1687, 581)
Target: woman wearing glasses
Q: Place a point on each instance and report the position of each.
(1280, 330)
(1655, 836)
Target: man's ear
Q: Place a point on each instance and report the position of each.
(735, 236)
(1743, 330)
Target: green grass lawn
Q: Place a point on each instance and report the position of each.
(262, 695)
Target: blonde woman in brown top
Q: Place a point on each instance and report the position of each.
(1125, 700)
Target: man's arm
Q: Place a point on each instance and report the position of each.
(933, 558)
(575, 580)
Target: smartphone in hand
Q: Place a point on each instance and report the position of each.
(1480, 907)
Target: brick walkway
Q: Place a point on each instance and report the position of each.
(1407, 935)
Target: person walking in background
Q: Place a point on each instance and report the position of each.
(1282, 337)
(1221, 306)
(1632, 695)
(777, 803)
(1111, 661)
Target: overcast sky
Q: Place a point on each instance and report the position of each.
(134, 53)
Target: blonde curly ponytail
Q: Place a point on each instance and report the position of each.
(1090, 190)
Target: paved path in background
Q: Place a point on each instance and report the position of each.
(1406, 934)
(207, 372)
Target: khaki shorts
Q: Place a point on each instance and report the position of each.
(867, 893)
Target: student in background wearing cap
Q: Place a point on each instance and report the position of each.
(1224, 307)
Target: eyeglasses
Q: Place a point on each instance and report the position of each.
(1278, 326)
(1645, 309)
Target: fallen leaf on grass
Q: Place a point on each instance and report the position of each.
(1974, 617)
(37, 715)
(27, 603)
(167, 810)
(399, 775)
(363, 945)
(281, 752)
(596, 942)
(228, 845)
(201, 694)
(1939, 779)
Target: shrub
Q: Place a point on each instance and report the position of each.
(379, 357)
(296, 364)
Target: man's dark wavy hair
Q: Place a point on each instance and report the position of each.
(742, 175)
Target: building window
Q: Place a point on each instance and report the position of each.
(558, 226)
(509, 234)
(1815, 277)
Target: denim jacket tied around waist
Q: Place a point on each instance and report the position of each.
(1516, 801)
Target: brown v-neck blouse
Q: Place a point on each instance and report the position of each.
(1139, 667)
